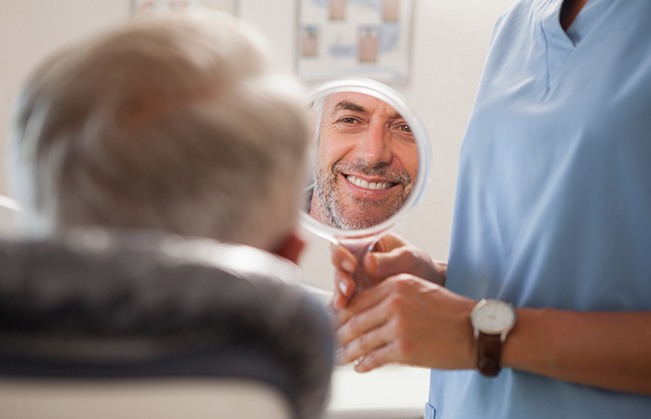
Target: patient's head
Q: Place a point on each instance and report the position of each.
(171, 123)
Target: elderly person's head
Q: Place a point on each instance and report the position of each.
(174, 123)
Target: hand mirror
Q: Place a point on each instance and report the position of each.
(370, 164)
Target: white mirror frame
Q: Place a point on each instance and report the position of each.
(394, 99)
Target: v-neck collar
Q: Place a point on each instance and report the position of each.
(551, 20)
(588, 18)
(561, 44)
(558, 44)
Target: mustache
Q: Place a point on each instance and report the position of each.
(382, 170)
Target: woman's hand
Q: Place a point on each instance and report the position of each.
(407, 320)
(392, 255)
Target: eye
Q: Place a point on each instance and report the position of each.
(350, 124)
(349, 120)
(405, 128)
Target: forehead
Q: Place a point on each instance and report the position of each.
(351, 101)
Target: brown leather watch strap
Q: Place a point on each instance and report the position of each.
(489, 351)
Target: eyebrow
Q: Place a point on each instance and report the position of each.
(349, 106)
(346, 105)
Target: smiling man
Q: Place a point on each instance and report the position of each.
(366, 161)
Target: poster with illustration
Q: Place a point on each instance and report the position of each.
(145, 7)
(368, 38)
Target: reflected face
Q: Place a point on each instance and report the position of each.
(367, 161)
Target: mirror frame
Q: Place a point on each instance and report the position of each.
(394, 99)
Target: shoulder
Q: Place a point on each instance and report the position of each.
(519, 13)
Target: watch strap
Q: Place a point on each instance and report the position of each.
(489, 351)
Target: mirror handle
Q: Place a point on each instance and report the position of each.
(359, 247)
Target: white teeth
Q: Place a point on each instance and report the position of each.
(368, 185)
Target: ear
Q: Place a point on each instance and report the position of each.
(291, 247)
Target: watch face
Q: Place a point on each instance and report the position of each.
(493, 316)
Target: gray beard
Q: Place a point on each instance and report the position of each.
(324, 188)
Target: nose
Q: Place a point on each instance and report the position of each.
(373, 145)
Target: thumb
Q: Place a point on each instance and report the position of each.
(384, 264)
(401, 260)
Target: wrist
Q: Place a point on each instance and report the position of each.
(492, 321)
(527, 345)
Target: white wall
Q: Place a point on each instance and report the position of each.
(449, 47)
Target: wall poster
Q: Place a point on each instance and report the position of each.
(368, 38)
(140, 7)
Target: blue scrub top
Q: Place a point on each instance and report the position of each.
(553, 205)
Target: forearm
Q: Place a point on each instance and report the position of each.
(609, 350)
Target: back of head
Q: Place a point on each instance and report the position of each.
(171, 123)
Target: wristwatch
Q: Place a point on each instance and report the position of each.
(492, 320)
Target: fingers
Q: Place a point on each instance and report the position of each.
(389, 263)
(369, 340)
(366, 353)
(405, 259)
(361, 336)
(406, 320)
(377, 358)
(391, 255)
(389, 242)
(342, 259)
(345, 264)
(344, 289)
(362, 304)
(365, 317)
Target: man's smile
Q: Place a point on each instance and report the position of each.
(368, 184)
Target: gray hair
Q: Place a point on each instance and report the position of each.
(171, 123)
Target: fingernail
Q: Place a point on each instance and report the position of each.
(357, 364)
(348, 266)
(343, 287)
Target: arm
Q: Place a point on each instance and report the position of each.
(409, 320)
(609, 350)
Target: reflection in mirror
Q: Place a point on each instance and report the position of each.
(366, 161)
(370, 161)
